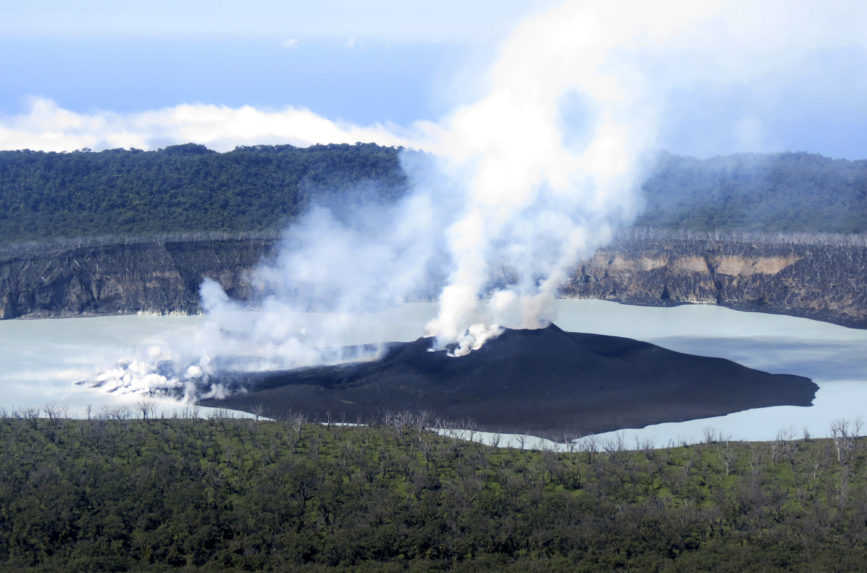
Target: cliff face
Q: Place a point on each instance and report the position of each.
(160, 276)
(821, 281)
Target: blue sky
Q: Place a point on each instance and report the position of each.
(373, 81)
(359, 61)
(390, 20)
(371, 63)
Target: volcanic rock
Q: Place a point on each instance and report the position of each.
(545, 382)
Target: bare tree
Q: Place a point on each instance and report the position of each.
(843, 438)
(54, 414)
(146, 408)
(591, 446)
(782, 448)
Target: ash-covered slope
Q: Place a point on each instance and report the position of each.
(546, 382)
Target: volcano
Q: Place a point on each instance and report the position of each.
(545, 382)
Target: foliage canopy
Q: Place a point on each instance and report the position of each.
(188, 187)
(789, 192)
(184, 188)
(230, 494)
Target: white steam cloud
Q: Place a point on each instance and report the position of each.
(50, 127)
(521, 184)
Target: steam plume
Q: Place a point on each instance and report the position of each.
(519, 185)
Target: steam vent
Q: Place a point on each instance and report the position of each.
(545, 382)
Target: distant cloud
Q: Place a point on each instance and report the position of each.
(289, 43)
(47, 126)
(351, 42)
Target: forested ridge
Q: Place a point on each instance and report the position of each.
(183, 188)
(788, 192)
(189, 188)
(115, 494)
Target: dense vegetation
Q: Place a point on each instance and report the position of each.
(117, 494)
(183, 188)
(190, 188)
(798, 192)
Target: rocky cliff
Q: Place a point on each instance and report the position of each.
(816, 276)
(155, 275)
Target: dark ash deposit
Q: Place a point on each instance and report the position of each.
(545, 382)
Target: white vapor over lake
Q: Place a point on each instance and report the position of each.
(534, 167)
(42, 359)
(531, 172)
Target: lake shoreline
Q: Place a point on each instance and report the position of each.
(44, 358)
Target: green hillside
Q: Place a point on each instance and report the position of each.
(222, 494)
(190, 188)
(794, 192)
(183, 188)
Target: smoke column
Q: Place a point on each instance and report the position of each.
(550, 157)
(519, 185)
(516, 186)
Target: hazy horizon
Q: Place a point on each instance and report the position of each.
(374, 72)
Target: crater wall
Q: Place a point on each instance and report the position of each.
(821, 278)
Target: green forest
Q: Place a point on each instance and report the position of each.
(117, 494)
(184, 188)
(788, 192)
(189, 188)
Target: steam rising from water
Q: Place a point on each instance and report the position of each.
(519, 185)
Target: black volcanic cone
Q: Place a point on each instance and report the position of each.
(545, 382)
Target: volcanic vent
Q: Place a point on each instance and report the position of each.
(546, 382)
